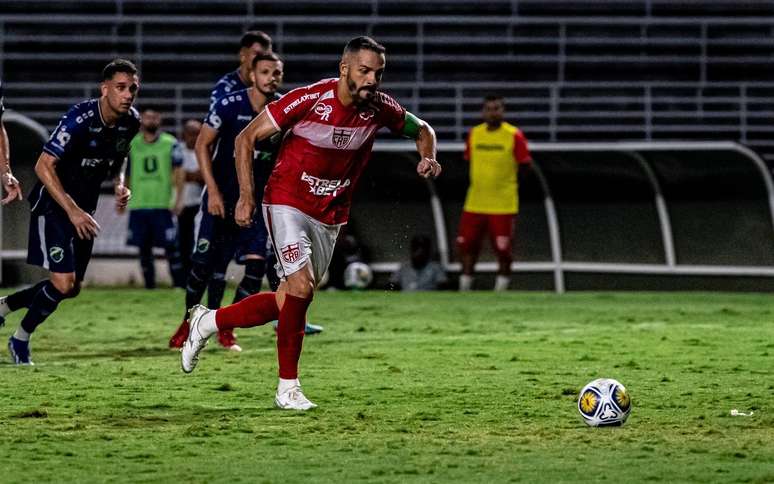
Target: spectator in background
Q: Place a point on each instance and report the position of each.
(187, 205)
(422, 273)
(495, 150)
(152, 173)
(10, 184)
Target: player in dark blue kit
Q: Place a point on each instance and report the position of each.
(219, 238)
(253, 42)
(89, 145)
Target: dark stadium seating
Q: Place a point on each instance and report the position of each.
(571, 70)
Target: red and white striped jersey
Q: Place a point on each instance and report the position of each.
(325, 148)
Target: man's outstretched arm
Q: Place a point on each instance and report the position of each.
(259, 129)
(424, 135)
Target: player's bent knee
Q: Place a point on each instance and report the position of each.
(75, 290)
(66, 284)
(300, 284)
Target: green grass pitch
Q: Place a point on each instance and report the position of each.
(433, 387)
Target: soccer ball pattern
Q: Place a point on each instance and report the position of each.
(358, 275)
(604, 402)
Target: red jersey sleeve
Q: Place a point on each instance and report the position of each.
(293, 106)
(390, 113)
(520, 148)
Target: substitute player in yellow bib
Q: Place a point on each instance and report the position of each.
(495, 150)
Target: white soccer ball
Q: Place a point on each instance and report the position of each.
(358, 275)
(604, 402)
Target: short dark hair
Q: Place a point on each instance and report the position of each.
(255, 37)
(360, 43)
(494, 97)
(266, 56)
(118, 65)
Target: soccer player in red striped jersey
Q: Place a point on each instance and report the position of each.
(330, 128)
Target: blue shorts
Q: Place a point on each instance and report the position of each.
(151, 226)
(54, 244)
(218, 240)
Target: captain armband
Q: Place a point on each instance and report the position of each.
(411, 126)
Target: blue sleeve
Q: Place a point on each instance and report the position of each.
(221, 89)
(177, 155)
(66, 134)
(214, 118)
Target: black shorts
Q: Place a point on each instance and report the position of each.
(54, 245)
(151, 226)
(218, 240)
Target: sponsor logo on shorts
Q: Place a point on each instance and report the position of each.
(202, 245)
(56, 254)
(322, 187)
(341, 137)
(290, 253)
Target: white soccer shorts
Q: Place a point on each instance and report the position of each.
(298, 239)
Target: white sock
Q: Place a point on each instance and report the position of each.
(501, 283)
(21, 335)
(285, 385)
(466, 282)
(207, 325)
(4, 309)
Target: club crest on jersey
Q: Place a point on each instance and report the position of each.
(203, 245)
(324, 111)
(56, 254)
(291, 253)
(341, 137)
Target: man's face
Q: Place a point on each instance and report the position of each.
(493, 112)
(247, 54)
(150, 121)
(121, 91)
(267, 76)
(363, 72)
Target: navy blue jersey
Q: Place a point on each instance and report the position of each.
(88, 152)
(2, 108)
(229, 116)
(227, 84)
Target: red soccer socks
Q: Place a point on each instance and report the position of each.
(290, 335)
(251, 311)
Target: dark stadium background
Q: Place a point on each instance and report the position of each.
(571, 71)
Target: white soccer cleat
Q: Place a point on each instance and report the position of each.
(293, 399)
(197, 339)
